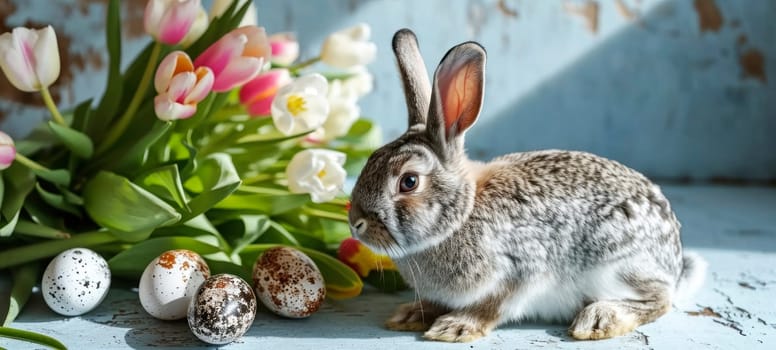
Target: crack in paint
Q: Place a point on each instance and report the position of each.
(644, 337)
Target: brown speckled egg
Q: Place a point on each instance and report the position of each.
(222, 310)
(169, 282)
(288, 283)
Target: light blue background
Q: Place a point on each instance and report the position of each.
(654, 92)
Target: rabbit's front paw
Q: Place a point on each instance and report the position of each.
(457, 328)
(601, 320)
(413, 317)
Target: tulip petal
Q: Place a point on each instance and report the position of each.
(7, 155)
(152, 16)
(285, 48)
(180, 85)
(314, 84)
(239, 71)
(219, 54)
(264, 85)
(46, 51)
(17, 67)
(168, 110)
(202, 87)
(174, 62)
(177, 21)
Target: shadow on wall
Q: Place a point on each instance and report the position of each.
(658, 97)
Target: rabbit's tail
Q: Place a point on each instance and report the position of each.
(692, 276)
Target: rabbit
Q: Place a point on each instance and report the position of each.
(557, 236)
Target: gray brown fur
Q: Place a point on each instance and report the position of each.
(550, 235)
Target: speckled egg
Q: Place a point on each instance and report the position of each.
(288, 283)
(222, 310)
(75, 282)
(169, 282)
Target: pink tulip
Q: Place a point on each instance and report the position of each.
(236, 58)
(168, 21)
(180, 86)
(257, 94)
(285, 48)
(7, 151)
(30, 58)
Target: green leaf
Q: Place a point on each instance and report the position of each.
(24, 278)
(7, 227)
(198, 228)
(215, 179)
(387, 281)
(40, 212)
(32, 337)
(218, 27)
(131, 262)
(81, 115)
(276, 233)
(37, 230)
(57, 176)
(57, 201)
(219, 266)
(165, 182)
(244, 230)
(76, 141)
(131, 156)
(272, 136)
(109, 103)
(269, 204)
(17, 183)
(118, 204)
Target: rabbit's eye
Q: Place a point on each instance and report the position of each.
(408, 183)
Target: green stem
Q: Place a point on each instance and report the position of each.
(115, 133)
(258, 178)
(32, 252)
(30, 163)
(304, 64)
(324, 214)
(52, 107)
(33, 337)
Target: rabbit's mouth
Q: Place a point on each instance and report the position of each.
(376, 236)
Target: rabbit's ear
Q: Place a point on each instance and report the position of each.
(456, 100)
(417, 88)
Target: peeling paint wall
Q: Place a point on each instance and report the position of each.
(676, 89)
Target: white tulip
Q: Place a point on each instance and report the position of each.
(301, 105)
(343, 112)
(349, 47)
(30, 58)
(198, 28)
(318, 172)
(360, 83)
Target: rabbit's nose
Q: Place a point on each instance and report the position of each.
(359, 227)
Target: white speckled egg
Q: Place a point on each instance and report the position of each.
(222, 310)
(169, 282)
(75, 282)
(288, 283)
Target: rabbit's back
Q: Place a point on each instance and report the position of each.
(565, 211)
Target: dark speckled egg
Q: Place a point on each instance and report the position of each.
(222, 310)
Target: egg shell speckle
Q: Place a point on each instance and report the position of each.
(288, 283)
(169, 282)
(222, 310)
(75, 282)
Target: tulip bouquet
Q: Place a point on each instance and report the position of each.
(214, 139)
